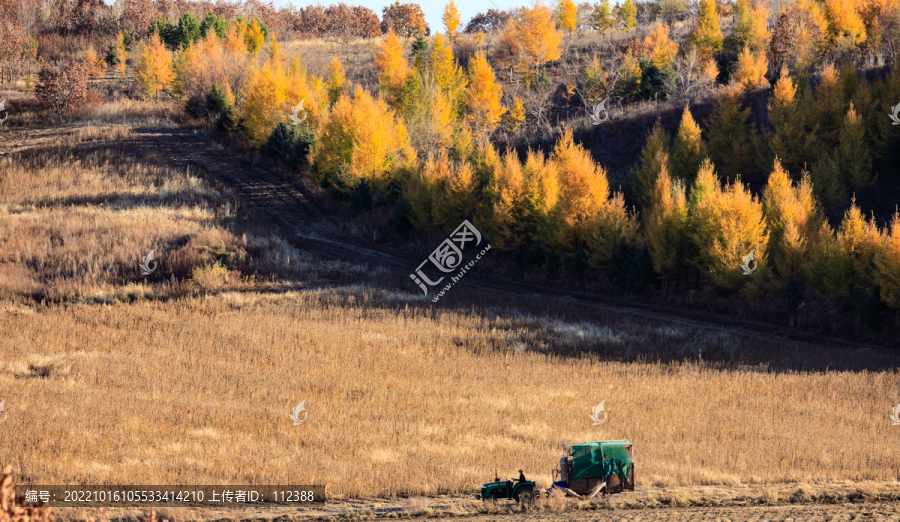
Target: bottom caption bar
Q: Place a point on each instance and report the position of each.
(168, 496)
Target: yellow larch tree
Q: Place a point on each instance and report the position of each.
(308, 88)
(844, 19)
(448, 76)
(566, 15)
(509, 213)
(751, 24)
(121, 55)
(535, 38)
(688, 149)
(584, 189)
(751, 69)
(393, 68)
(733, 224)
(887, 261)
(264, 102)
(859, 243)
(788, 139)
(254, 37)
(337, 81)
(830, 108)
(450, 19)
(453, 195)
(515, 118)
(794, 223)
(665, 226)
(154, 68)
(708, 34)
(662, 48)
(362, 139)
(654, 156)
(628, 14)
(93, 64)
(730, 144)
(483, 97)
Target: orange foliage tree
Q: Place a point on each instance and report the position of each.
(751, 69)
(566, 15)
(362, 139)
(888, 263)
(448, 76)
(707, 35)
(393, 69)
(154, 68)
(794, 223)
(665, 225)
(661, 48)
(483, 97)
(688, 150)
(728, 223)
(450, 19)
(533, 38)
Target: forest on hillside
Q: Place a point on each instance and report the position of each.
(733, 127)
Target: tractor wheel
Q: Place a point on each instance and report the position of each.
(525, 495)
(493, 498)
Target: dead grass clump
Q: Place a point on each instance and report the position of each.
(102, 132)
(417, 506)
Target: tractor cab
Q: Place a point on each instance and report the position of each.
(508, 489)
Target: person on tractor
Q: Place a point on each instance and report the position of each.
(521, 476)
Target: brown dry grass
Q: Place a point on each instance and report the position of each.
(77, 216)
(402, 400)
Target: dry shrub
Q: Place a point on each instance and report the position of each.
(13, 511)
(62, 86)
(212, 276)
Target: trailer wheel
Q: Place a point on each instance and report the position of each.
(525, 495)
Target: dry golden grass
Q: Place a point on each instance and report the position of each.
(402, 400)
(77, 217)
